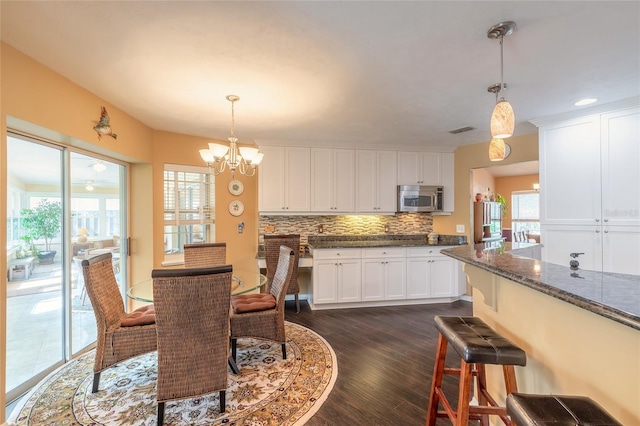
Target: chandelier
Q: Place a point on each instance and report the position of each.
(218, 156)
(502, 118)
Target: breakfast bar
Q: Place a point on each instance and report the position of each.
(579, 328)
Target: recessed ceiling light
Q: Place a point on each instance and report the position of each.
(587, 101)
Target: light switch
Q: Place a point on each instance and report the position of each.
(460, 228)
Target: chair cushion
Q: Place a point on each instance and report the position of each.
(142, 316)
(253, 303)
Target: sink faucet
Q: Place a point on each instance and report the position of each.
(573, 264)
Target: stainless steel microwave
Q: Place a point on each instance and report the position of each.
(419, 198)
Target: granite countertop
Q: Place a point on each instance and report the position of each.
(385, 240)
(611, 295)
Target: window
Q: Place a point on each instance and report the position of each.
(189, 207)
(525, 211)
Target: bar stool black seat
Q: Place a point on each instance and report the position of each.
(477, 344)
(556, 410)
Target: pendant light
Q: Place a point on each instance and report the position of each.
(502, 118)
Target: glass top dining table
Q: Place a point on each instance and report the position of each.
(243, 282)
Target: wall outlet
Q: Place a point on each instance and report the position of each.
(460, 228)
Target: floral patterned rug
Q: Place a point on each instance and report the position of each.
(269, 390)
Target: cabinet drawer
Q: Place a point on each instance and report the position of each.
(378, 252)
(338, 253)
(423, 251)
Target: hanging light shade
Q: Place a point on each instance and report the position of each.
(218, 156)
(503, 121)
(498, 150)
(502, 118)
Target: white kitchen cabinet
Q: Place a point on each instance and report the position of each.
(336, 276)
(376, 181)
(430, 274)
(589, 191)
(419, 168)
(284, 180)
(590, 169)
(447, 182)
(332, 180)
(383, 273)
(605, 248)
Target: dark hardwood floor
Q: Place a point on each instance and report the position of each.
(385, 361)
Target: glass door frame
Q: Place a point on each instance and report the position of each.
(65, 244)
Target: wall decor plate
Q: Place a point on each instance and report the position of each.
(236, 207)
(236, 187)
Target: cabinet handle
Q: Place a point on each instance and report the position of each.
(597, 231)
(606, 232)
(597, 220)
(606, 220)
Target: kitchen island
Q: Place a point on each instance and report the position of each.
(580, 329)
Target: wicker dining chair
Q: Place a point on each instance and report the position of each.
(272, 245)
(120, 335)
(262, 315)
(192, 317)
(205, 255)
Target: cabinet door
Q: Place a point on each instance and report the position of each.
(430, 166)
(442, 277)
(386, 181)
(366, 189)
(621, 167)
(343, 184)
(395, 279)
(271, 179)
(297, 184)
(417, 277)
(349, 281)
(570, 172)
(621, 249)
(559, 241)
(322, 179)
(408, 168)
(373, 279)
(325, 283)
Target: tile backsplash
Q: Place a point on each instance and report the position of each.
(400, 223)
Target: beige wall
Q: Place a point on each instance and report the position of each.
(523, 148)
(507, 185)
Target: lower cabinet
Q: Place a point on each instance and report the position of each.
(371, 276)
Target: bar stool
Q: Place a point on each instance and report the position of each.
(559, 410)
(478, 345)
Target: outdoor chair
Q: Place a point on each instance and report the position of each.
(272, 245)
(262, 315)
(120, 335)
(192, 316)
(205, 255)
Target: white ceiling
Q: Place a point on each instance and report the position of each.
(342, 73)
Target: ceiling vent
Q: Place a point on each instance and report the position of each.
(461, 130)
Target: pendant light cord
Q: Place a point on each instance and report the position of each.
(501, 68)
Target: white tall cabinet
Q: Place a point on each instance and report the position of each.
(590, 190)
(284, 180)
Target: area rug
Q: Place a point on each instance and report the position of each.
(268, 391)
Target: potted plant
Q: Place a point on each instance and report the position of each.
(42, 221)
(503, 203)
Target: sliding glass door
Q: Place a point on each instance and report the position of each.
(63, 206)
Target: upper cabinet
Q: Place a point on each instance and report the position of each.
(428, 168)
(300, 180)
(284, 181)
(332, 180)
(419, 168)
(376, 181)
(590, 169)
